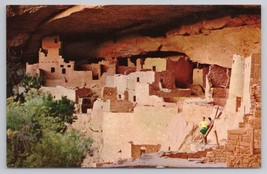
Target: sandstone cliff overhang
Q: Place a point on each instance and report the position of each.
(26, 25)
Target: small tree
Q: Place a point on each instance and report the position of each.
(29, 82)
(62, 112)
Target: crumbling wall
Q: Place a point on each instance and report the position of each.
(82, 93)
(166, 78)
(33, 69)
(182, 70)
(248, 144)
(252, 76)
(95, 68)
(51, 43)
(172, 94)
(130, 63)
(137, 149)
(219, 76)
(243, 148)
(124, 69)
(110, 94)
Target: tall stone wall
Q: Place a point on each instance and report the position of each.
(146, 125)
(243, 148)
(236, 83)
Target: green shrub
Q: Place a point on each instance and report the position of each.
(36, 133)
(29, 82)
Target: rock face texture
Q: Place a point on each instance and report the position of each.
(97, 30)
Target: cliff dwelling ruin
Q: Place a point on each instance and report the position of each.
(142, 87)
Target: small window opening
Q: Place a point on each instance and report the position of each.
(63, 71)
(53, 69)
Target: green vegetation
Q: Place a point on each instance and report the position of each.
(29, 82)
(37, 134)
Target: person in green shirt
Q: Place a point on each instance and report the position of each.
(203, 129)
(203, 126)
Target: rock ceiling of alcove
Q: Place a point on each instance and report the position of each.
(27, 24)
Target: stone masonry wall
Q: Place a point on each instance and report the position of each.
(243, 148)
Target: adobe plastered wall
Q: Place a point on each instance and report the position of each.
(144, 76)
(110, 82)
(33, 69)
(198, 77)
(143, 97)
(236, 83)
(78, 78)
(59, 91)
(146, 125)
(130, 83)
(101, 105)
(120, 82)
(160, 64)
